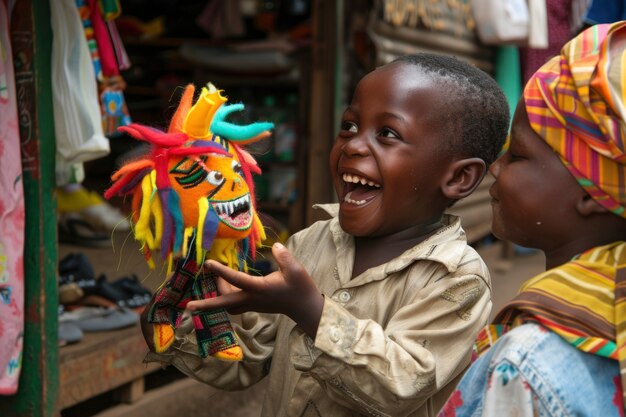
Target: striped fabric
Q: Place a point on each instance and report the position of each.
(575, 102)
(214, 332)
(583, 301)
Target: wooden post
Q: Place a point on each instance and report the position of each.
(31, 40)
(325, 93)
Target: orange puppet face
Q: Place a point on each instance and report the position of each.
(219, 179)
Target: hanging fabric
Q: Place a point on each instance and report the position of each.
(77, 118)
(11, 220)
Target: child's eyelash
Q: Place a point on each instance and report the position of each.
(349, 126)
(388, 133)
(514, 157)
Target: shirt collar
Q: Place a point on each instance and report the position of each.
(445, 246)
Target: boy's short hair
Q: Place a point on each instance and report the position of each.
(478, 109)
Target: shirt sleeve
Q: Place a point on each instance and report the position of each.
(394, 369)
(256, 334)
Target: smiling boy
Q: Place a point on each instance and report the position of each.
(377, 307)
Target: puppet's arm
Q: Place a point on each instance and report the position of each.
(214, 333)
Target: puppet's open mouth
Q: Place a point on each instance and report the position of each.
(234, 213)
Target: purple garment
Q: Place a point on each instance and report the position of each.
(559, 33)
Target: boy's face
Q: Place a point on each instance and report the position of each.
(388, 160)
(534, 196)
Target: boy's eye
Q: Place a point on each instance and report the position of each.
(388, 133)
(349, 126)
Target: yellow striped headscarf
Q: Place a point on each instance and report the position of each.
(576, 103)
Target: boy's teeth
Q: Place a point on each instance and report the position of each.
(347, 199)
(356, 180)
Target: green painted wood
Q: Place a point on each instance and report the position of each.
(31, 38)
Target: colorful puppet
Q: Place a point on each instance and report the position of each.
(193, 199)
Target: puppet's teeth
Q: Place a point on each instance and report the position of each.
(223, 208)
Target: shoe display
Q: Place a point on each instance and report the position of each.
(78, 286)
(139, 295)
(68, 332)
(99, 319)
(87, 219)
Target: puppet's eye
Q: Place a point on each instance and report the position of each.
(215, 178)
(236, 167)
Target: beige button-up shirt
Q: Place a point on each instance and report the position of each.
(391, 342)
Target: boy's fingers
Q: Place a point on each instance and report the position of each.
(285, 260)
(223, 287)
(227, 301)
(236, 278)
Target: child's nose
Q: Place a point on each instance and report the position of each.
(357, 146)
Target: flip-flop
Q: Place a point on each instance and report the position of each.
(97, 319)
(76, 231)
(69, 333)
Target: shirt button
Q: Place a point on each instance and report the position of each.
(344, 296)
(335, 335)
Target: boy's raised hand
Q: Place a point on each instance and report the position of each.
(289, 291)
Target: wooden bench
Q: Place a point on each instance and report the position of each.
(102, 362)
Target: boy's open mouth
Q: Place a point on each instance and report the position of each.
(358, 190)
(235, 213)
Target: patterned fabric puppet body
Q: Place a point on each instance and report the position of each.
(193, 199)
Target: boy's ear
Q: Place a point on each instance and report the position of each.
(463, 177)
(587, 206)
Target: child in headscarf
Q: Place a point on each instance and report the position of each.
(557, 349)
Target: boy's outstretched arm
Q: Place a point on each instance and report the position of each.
(289, 291)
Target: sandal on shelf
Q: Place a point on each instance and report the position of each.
(95, 301)
(119, 296)
(75, 277)
(131, 285)
(97, 319)
(76, 231)
(68, 332)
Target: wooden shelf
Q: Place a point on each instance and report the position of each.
(102, 362)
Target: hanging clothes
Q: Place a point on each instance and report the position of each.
(558, 13)
(11, 219)
(77, 118)
(108, 56)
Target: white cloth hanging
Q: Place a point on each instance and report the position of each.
(538, 24)
(77, 117)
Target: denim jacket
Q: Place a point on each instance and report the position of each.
(531, 371)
